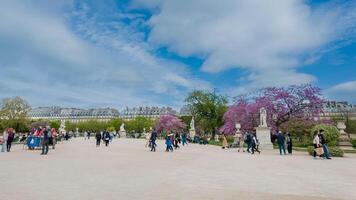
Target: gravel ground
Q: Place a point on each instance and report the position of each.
(126, 170)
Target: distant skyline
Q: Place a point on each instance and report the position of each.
(132, 53)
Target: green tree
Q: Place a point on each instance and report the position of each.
(13, 113)
(351, 126)
(138, 124)
(186, 120)
(55, 124)
(208, 109)
(300, 131)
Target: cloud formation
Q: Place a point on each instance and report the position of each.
(342, 91)
(77, 59)
(269, 39)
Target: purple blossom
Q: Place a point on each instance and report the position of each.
(169, 123)
(282, 104)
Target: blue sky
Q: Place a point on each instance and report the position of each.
(153, 52)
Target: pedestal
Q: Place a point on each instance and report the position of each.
(344, 139)
(264, 137)
(192, 133)
(122, 133)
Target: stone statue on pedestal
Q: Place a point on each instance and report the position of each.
(122, 130)
(263, 132)
(344, 139)
(192, 128)
(62, 127)
(263, 117)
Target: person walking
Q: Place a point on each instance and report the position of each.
(255, 144)
(153, 140)
(289, 144)
(85, 135)
(4, 141)
(148, 139)
(240, 140)
(323, 143)
(168, 143)
(248, 140)
(176, 141)
(316, 143)
(184, 138)
(98, 138)
(281, 143)
(106, 136)
(54, 138)
(45, 140)
(225, 145)
(10, 139)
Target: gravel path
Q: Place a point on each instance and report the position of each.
(126, 170)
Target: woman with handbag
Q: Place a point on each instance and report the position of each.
(318, 150)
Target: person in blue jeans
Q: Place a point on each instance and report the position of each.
(281, 143)
(324, 144)
(168, 143)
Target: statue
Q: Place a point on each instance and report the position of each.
(237, 127)
(192, 128)
(122, 127)
(263, 117)
(62, 127)
(122, 130)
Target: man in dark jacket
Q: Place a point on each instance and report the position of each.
(281, 143)
(98, 138)
(45, 141)
(153, 140)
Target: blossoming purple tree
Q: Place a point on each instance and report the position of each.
(303, 102)
(169, 123)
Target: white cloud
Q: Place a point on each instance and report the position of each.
(269, 39)
(100, 63)
(344, 92)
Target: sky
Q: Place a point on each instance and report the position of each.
(154, 52)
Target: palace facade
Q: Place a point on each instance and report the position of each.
(73, 115)
(76, 115)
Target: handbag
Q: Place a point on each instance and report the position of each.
(319, 151)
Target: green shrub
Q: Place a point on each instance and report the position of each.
(299, 131)
(353, 142)
(310, 150)
(213, 142)
(331, 133)
(334, 151)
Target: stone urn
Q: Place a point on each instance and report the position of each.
(344, 139)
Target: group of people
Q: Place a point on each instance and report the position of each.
(46, 136)
(172, 140)
(7, 139)
(105, 136)
(320, 145)
(284, 141)
(249, 138)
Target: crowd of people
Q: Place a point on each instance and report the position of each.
(172, 140)
(245, 142)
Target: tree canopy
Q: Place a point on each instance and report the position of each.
(303, 102)
(13, 113)
(208, 109)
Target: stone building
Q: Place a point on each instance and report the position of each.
(338, 108)
(148, 112)
(73, 115)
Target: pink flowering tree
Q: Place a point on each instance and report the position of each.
(302, 102)
(169, 123)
